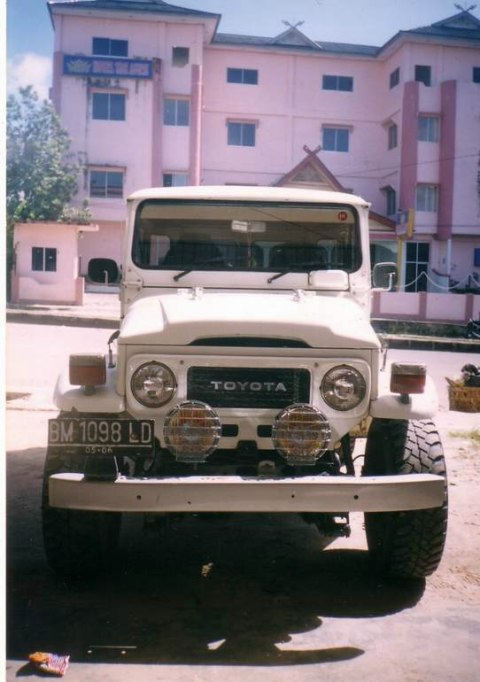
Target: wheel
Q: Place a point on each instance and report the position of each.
(76, 543)
(405, 544)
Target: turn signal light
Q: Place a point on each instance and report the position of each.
(407, 378)
(88, 370)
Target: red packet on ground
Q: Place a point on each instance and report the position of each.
(51, 664)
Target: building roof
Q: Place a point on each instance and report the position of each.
(283, 42)
(155, 6)
(462, 26)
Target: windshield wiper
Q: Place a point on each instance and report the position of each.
(304, 264)
(209, 261)
(277, 276)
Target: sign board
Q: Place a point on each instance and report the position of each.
(106, 67)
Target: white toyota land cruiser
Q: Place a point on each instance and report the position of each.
(245, 367)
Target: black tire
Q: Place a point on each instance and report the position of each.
(405, 544)
(77, 543)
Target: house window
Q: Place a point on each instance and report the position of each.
(392, 136)
(416, 266)
(428, 128)
(336, 139)
(106, 184)
(476, 74)
(176, 112)
(245, 76)
(175, 179)
(180, 56)
(110, 48)
(108, 106)
(390, 199)
(394, 78)
(44, 259)
(423, 74)
(241, 134)
(344, 83)
(426, 198)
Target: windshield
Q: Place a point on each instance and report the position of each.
(242, 236)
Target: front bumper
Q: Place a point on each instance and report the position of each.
(236, 494)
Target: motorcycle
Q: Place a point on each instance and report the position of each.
(472, 330)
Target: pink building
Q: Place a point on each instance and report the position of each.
(152, 94)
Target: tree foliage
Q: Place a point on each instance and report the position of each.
(41, 179)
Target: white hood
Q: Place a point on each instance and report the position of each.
(180, 319)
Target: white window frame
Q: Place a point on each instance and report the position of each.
(426, 197)
(106, 170)
(337, 130)
(392, 132)
(252, 125)
(177, 179)
(175, 118)
(428, 128)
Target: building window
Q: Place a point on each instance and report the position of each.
(394, 78)
(476, 74)
(426, 198)
(175, 179)
(245, 76)
(344, 83)
(176, 112)
(44, 259)
(108, 106)
(106, 184)
(392, 136)
(423, 74)
(428, 128)
(180, 56)
(336, 139)
(110, 48)
(416, 266)
(241, 134)
(390, 199)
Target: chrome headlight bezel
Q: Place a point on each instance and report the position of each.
(163, 384)
(343, 387)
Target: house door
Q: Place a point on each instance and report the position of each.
(417, 258)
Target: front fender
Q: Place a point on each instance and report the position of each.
(389, 406)
(105, 398)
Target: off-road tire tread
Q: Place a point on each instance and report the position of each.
(406, 544)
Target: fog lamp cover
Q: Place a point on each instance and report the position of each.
(192, 431)
(301, 434)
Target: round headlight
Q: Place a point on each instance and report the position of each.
(343, 387)
(192, 431)
(153, 384)
(301, 434)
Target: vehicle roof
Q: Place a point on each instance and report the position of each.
(243, 193)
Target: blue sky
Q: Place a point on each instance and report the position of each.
(368, 22)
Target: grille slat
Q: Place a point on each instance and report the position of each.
(248, 387)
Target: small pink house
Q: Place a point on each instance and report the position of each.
(46, 263)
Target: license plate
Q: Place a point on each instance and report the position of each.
(102, 436)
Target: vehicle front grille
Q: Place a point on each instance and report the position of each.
(248, 387)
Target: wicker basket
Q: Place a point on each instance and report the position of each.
(464, 398)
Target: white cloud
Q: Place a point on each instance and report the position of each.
(30, 69)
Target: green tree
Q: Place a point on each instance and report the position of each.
(41, 180)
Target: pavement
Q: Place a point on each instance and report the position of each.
(102, 310)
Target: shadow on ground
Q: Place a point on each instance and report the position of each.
(225, 590)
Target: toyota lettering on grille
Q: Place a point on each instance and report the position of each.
(249, 386)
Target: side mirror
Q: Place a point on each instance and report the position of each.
(384, 276)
